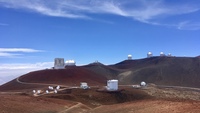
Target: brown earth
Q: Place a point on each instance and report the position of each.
(150, 106)
(174, 71)
(148, 100)
(17, 103)
(16, 95)
(71, 76)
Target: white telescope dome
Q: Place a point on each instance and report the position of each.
(70, 63)
(149, 54)
(143, 83)
(162, 54)
(129, 57)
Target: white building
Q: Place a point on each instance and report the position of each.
(149, 54)
(143, 83)
(59, 63)
(162, 54)
(112, 85)
(129, 57)
(169, 54)
(84, 85)
(70, 63)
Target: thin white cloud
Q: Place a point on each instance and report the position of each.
(27, 50)
(14, 52)
(2, 54)
(146, 11)
(40, 65)
(187, 25)
(13, 70)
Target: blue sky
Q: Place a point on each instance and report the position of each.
(34, 32)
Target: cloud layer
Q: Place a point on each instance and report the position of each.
(11, 71)
(12, 52)
(146, 11)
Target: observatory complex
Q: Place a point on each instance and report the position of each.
(60, 64)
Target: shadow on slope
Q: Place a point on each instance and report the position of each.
(103, 70)
(93, 98)
(180, 71)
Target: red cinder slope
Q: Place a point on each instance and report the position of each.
(71, 76)
(68, 76)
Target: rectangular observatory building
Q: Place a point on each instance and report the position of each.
(112, 85)
(59, 63)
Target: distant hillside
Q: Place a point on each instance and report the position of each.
(181, 71)
(176, 71)
(103, 70)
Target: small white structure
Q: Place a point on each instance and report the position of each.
(169, 54)
(47, 91)
(70, 63)
(162, 54)
(50, 88)
(129, 57)
(149, 54)
(112, 85)
(58, 87)
(34, 91)
(55, 91)
(59, 63)
(143, 84)
(84, 85)
(38, 91)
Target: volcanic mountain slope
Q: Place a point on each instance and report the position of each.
(103, 70)
(175, 71)
(181, 71)
(71, 76)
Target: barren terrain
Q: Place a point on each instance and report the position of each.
(172, 87)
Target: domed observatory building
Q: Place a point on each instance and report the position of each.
(162, 54)
(129, 57)
(169, 55)
(59, 63)
(143, 84)
(70, 63)
(149, 54)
